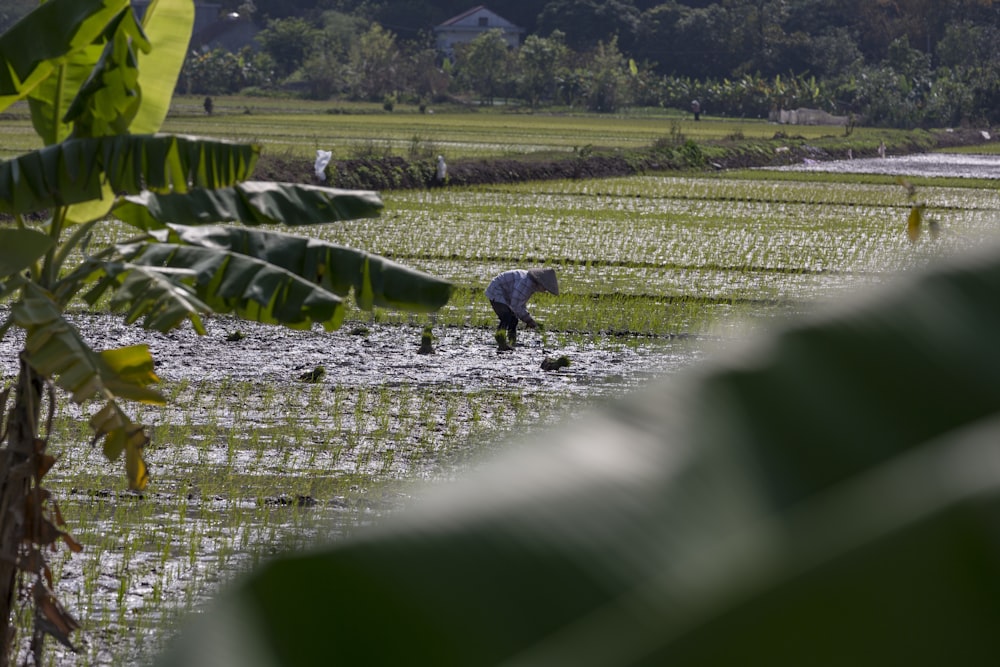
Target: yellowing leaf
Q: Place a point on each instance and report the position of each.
(112, 422)
(135, 465)
(132, 364)
(913, 223)
(93, 209)
(366, 297)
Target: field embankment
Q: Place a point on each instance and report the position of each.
(666, 155)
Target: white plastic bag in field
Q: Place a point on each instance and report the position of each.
(322, 159)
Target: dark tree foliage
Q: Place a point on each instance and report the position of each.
(587, 22)
(904, 62)
(12, 10)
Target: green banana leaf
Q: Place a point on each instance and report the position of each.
(828, 496)
(157, 295)
(48, 37)
(52, 97)
(108, 98)
(77, 170)
(55, 348)
(249, 203)
(91, 91)
(279, 278)
(20, 248)
(168, 25)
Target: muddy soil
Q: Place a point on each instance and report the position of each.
(360, 354)
(368, 354)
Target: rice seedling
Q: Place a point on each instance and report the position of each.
(649, 268)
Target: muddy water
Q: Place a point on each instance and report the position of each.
(368, 354)
(166, 552)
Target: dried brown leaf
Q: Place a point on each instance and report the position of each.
(73, 545)
(45, 463)
(50, 608)
(32, 562)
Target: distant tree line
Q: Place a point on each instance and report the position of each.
(903, 63)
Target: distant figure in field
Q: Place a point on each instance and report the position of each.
(881, 149)
(509, 293)
(442, 171)
(209, 105)
(696, 109)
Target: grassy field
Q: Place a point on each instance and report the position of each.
(300, 127)
(247, 466)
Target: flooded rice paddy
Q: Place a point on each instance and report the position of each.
(950, 165)
(247, 460)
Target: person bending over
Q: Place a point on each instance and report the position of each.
(509, 293)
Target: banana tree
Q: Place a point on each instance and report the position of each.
(198, 247)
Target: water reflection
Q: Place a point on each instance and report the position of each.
(960, 165)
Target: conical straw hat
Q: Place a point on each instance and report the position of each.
(546, 278)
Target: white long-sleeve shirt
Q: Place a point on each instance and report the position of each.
(514, 288)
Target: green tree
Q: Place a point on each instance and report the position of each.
(608, 86)
(289, 41)
(12, 12)
(657, 36)
(967, 45)
(832, 54)
(373, 64)
(324, 75)
(704, 42)
(339, 32)
(98, 114)
(540, 63)
(420, 74)
(219, 72)
(485, 65)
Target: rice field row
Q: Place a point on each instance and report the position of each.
(300, 127)
(244, 470)
(756, 243)
(661, 255)
(650, 267)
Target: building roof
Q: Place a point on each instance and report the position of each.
(458, 18)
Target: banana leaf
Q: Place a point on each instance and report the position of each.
(828, 496)
(279, 278)
(77, 170)
(159, 296)
(168, 25)
(20, 248)
(55, 348)
(249, 203)
(47, 37)
(108, 99)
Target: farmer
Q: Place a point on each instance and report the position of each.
(509, 293)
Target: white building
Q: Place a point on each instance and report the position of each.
(468, 25)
